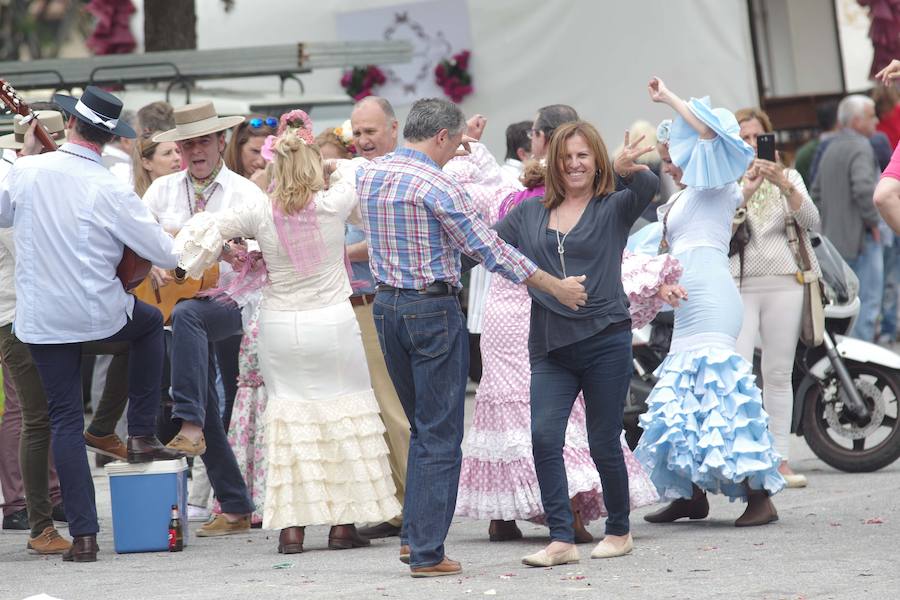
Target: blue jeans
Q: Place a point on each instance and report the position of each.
(59, 366)
(600, 366)
(869, 268)
(426, 349)
(889, 299)
(196, 326)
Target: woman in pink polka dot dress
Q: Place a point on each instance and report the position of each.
(498, 480)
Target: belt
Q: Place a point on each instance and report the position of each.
(362, 299)
(437, 288)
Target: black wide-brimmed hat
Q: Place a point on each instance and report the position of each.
(97, 108)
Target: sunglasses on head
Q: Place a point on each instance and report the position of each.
(256, 122)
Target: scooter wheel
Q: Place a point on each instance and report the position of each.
(844, 445)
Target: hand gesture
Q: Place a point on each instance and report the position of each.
(465, 148)
(159, 277)
(773, 172)
(570, 292)
(625, 164)
(888, 74)
(753, 178)
(30, 144)
(672, 294)
(475, 127)
(658, 90)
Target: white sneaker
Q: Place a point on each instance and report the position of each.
(197, 514)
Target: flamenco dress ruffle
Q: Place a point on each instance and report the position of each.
(705, 425)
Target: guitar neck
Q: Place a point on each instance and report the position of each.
(43, 137)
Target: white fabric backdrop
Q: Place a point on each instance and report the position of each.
(596, 56)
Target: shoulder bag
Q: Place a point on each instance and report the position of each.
(812, 328)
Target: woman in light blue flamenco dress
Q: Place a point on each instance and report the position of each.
(705, 429)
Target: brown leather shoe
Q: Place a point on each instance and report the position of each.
(290, 541)
(582, 535)
(695, 507)
(759, 511)
(107, 445)
(382, 530)
(445, 567)
(84, 549)
(404, 554)
(48, 542)
(182, 444)
(147, 448)
(344, 537)
(503, 531)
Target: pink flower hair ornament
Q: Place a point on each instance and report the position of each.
(296, 123)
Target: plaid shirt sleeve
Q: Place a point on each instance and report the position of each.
(467, 232)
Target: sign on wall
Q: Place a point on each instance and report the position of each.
(437, 30)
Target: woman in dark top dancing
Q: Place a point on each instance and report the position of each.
(580, 227)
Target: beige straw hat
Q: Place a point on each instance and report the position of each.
(196, 120)
(51, 120)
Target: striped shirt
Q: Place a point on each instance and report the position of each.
(419, 220)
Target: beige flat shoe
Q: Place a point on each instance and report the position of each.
(543, 559)
(606, 549)
(795, 480)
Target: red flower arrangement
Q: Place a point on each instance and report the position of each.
(360, 81)
(453, 76)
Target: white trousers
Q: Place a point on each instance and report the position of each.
(773, 312)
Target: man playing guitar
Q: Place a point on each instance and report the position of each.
(72, 219)
(198, 324)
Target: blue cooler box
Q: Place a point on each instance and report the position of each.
(142, 496)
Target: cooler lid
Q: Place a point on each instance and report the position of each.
(149, 468)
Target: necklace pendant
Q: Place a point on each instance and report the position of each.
(561, 249)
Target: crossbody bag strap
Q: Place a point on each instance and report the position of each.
(794, 231)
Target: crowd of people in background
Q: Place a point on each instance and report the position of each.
(321, 380)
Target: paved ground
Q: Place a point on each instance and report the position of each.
(837, 539)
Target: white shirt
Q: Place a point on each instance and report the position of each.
(72, 218)
(171, 199)
(7, 256)
(511, 169)
(287, 289)
(119, 163)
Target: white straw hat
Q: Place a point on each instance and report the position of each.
(196, 120)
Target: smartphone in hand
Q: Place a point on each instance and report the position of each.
(765, 146)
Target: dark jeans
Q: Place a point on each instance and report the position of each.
(426, 349)
(227, 358)
(59, 366)
(600, 366)
(196, 326)
(115, 391)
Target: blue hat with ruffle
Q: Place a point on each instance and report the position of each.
(714, 162)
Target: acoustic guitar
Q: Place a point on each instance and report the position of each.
(132, 269)
(166, 297)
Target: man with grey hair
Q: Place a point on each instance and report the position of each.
(374, 127)
(843, 189)
(419, 222)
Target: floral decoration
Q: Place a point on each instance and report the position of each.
(453, 76)
(345, 134)
(360, 82)
(295, 122)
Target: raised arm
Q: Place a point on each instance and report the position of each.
(660, 93)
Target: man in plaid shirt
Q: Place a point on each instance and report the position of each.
(419, 221)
